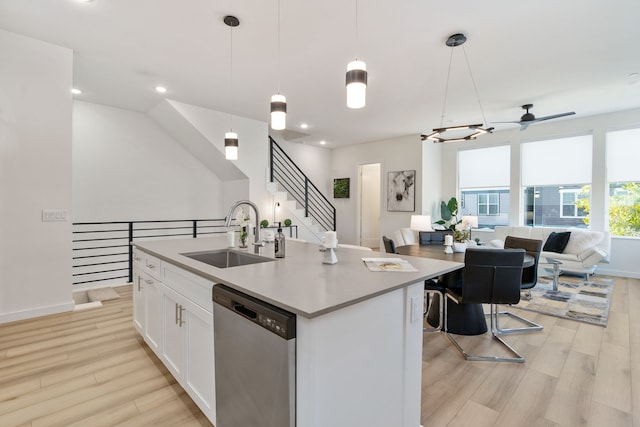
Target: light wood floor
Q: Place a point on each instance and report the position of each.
(90, 368)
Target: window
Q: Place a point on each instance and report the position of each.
(623, 175)
(556, 179)
(488, 204)
(483, 177)
(569, 207)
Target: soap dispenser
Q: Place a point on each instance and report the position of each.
(279, 242)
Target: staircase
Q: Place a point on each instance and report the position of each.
(298, 195)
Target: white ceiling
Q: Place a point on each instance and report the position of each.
(569, 55)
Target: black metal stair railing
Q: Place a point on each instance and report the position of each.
(102, 251)
(285, 172)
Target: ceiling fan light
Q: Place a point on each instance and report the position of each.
(278, 112)
(356, 81)
(231, 146)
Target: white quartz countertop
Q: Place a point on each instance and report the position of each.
(300, 282)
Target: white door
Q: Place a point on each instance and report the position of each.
(370, 205)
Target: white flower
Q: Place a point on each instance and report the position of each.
(242, 220)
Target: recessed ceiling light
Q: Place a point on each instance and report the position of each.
(76, 91)
(161, 89)
(85, 1)
(323, 142)
(303, 125)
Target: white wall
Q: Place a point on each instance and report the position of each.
(253, 152)
(623, 263)
(125, 167)
(35, 174)
(315, 163)
(403, 153)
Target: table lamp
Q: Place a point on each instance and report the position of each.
(421, 223)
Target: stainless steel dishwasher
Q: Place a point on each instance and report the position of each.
(255, 361)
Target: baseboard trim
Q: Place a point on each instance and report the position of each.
(36, 312)
(617, 273)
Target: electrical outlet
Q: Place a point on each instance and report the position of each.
(54, 215)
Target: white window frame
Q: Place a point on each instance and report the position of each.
(488, 204)
(575, 193)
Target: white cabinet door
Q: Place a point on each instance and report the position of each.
(153, 313)
(138, 302)
(199, 374)
(173, 337)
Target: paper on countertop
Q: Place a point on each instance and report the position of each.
(388, 264)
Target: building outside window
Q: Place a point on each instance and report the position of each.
(569, 206)
(483, 179)
(556, 180)
(488, 204)
(623, 176)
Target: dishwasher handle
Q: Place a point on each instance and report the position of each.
(244, 310)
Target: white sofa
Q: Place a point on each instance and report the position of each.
(585, 249)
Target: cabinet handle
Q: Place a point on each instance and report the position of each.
(182, 322)
(148, 281)
(177, 314)
(151, 266)
(139, 278)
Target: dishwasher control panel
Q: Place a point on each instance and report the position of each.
(268, 316)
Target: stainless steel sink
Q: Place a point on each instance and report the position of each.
(225, 258)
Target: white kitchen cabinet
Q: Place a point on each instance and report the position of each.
(153, 313)
(188, 348)
(147, 299)
(138, 301)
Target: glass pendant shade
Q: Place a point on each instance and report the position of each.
(278, 112)
(356, 80)
(231, 146)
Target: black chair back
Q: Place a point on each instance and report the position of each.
(533, 248)
(389, 245)
(492, 276)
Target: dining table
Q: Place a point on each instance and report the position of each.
(462, 319)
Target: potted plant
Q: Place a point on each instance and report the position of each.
(242, 220)
(450, 221)
(264, 223)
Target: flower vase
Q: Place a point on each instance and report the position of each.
(459, 246)
(243, 238)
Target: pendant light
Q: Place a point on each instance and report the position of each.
(463, 132)
(231, 138)
(356, 78)
(278, 102)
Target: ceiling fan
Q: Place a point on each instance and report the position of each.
(529, 119)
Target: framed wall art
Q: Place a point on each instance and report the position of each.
(341, 188)
(401, 191)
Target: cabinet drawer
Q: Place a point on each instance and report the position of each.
(138, 257)
(152, 266)
(193, 287)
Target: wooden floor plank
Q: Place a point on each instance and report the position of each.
(91, 368)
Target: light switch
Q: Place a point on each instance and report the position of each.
(54, 215)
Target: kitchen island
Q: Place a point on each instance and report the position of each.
(359, 333)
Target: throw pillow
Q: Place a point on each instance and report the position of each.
(581, 240)
(556, 242)
(497, 243)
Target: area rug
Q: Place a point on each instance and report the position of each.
(575, 299)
